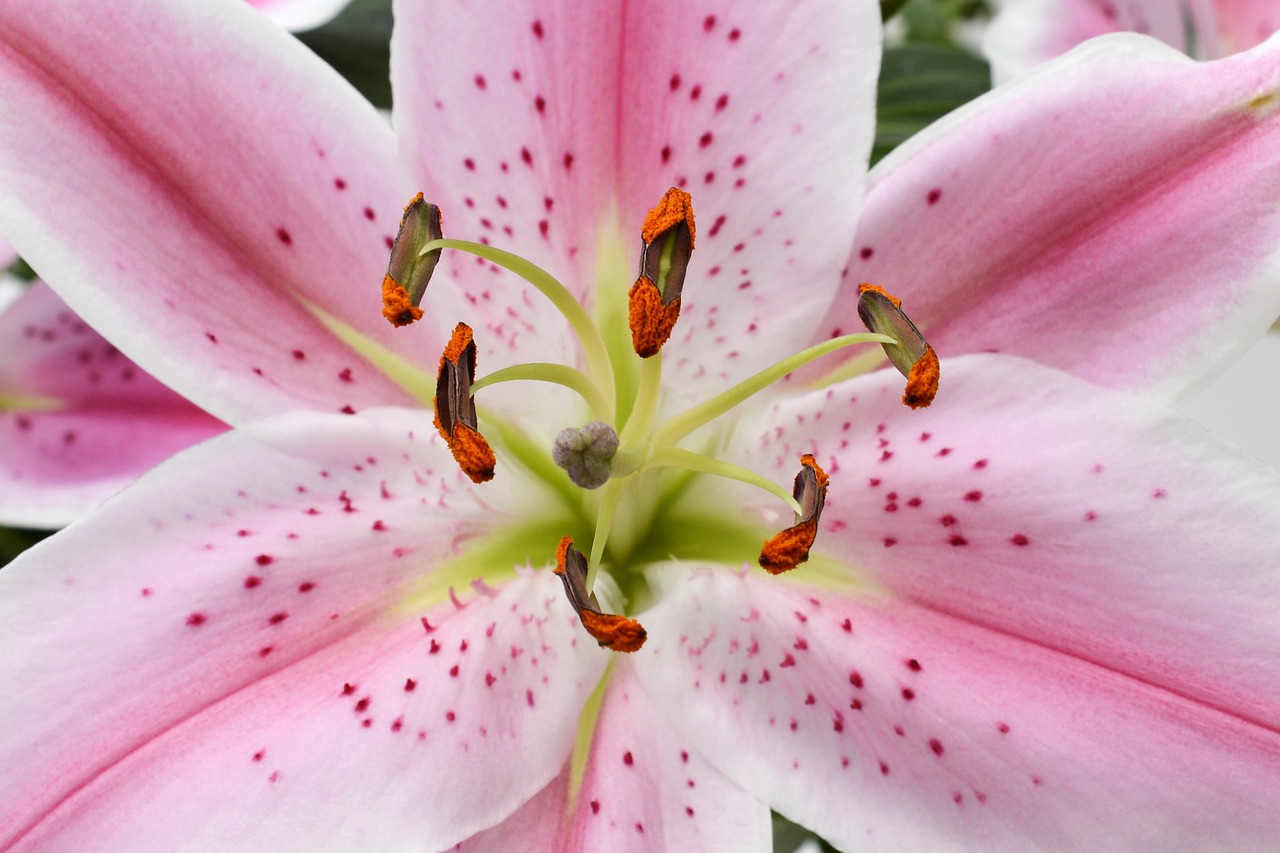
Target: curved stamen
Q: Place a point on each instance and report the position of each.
(557, 374)
(678, 457)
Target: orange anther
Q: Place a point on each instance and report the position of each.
(676, 207)
(788, 549)
(651, 322)
(455, 411)
(913, 357)
(396, 305)
(613, 632)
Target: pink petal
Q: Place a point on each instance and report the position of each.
(1113, 215)
(885, 725)
(645, 788)
(1244, 23)
(553, 142)
(113, 421)
(1025, 33)
(1081, 519)
(190, 202)
(298, 15)
(230, 655)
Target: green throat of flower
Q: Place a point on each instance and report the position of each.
(627, 466)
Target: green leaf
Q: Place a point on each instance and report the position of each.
(357, 44)
(919, 83)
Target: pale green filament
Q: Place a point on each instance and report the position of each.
(557, 374)
(610, 495)
(598, 364)
(646, 406)
(687, 421)
(678, 457)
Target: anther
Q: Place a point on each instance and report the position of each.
(585, 453)
(408, 273)
(456, 410)
(913, 357)
(613, 632)
(654, 301)
(790, 548)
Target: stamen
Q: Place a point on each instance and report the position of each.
(790, 548)
(654, 301)
(409, 270)
(914, 358)
(585, 453)
(456, 409)
(613, 632)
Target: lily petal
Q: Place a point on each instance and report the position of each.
(92, 421)
(558, 149)
(299, 15)
(645, 788)
(1084, 520)
(1084, 218)
(886, 725)
(243, 627)
(192, 202)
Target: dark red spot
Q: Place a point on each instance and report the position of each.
(543, 227)
(480, 82)
(410, 685)
(884, 769)
(369, 214)
(264, 559)
(665, 153)
(489, 679)
(855, 678)
(470, 164)
(284, 236)
(674, 83)
(397, 724)
(595, 807)
(788, 661)
(1158, 493)
(913, 665)
(252, 581)
(348, 689)
(526, 156)
(265, 650)
(378, 525)
(889, 541)
(855, 704)
(1003, 728)
(933, 196)
(695, 93)
(539, 104)
(277, 618)
(537, 29)
(705, 139)
(956, 540)
(973, 497)
(363, 704)
(899, 731)
(935, 745)
(345, 374)
(639, 827)
(688, 810)
(980, 464)
(528, 698)
(259, 755)
(947, 520)
(450, 716)
(735, 34)
(914, 502)
(299, 354)
(340, 183)
(908, 693)
(722, 102)
(306, 586)
(568, 161)
(197, 619)
(435, 648)
(627, 759)
(453, 671)
(847, 626)
(866, 253)
(211, 336)
(810, 699)
(708, 23)
(1019, 540)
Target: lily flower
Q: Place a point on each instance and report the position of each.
(1038, 612)
(78, 419)
(1025, 33)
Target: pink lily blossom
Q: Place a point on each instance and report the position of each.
(1025, 33)
(1039, 613)
(78, 420)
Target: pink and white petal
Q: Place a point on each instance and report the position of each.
(1243, 404)
(555, 143)
(104, 421)
(193, 184)
(1244, 23)
(1025, 33)
(7, 254)
(242, 663)
(299, 15)
(1081, 519)
(645, 788)
(883, 724)
(1112, 215)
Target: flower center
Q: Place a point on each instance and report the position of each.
(629, 468)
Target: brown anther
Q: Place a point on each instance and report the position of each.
(911, 355)
(409, 272)
(456, 410)
(788, 549)
(613, 632)
(668, 235)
